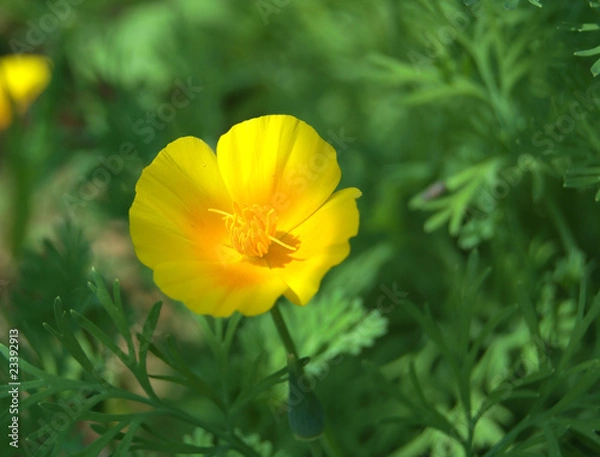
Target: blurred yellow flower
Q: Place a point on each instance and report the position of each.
(236, 230)
(23, 77)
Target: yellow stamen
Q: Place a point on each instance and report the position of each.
(218, 211)
(252, 229)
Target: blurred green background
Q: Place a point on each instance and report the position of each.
(465, 320)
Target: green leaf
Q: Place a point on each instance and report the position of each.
(465, 190)
(552, 443)
(431, 328)
(67, 337)
(190, 379)
(424, 413)
(122, 449)
(253, 391)
(588, 429)
(113, 308)
(106, 340)
(582, 181)
(37, 397)
(486, 331)
(529, 313)
(24, 386)
(108, 435)
(595, 68)
(579, 331)
(535, 377)
(584, 28)
(145, 338)
(384, 68)
(577, 391)
(588, 52)
(437, 220)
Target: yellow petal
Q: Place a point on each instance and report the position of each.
(22, 80)
(186, 245)
(322, 242)
(170, 217)
(281, 162)
(220, 288)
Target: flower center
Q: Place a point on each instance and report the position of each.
(251, 229)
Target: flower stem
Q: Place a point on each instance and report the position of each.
(562, 227)
(328, 441)
(331, 444)
(315, 449)
(284, 333)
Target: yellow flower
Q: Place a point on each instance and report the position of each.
(236, 230)
(22, 79)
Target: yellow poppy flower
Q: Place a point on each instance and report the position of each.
(22, 79)
(236, 230)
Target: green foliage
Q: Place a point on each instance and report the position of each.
(263, 448)
(336, 324)
(590, 27)
(458, 389)
(68, 256)
(57, 396)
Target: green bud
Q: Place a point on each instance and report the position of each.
(305, 412)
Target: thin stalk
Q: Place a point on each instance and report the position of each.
(315, 449)
(284, 333)
(328, 441)
(566, 236)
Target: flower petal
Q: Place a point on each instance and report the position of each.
(169, 217)
(281, 162)
(322, 242)
(219, 289)
(22, 80)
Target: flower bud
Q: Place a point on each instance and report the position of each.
(305, 412)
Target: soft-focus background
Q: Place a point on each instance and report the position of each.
(465, 321)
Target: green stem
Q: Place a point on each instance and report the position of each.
(284, 333)
(330, 443)
(315, 449)
(226, 339)
(562, 227)
(328, 440)
(468, 443)
(232, 325)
